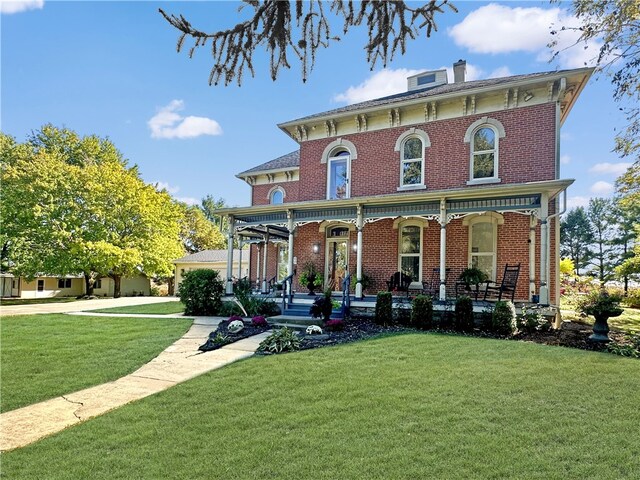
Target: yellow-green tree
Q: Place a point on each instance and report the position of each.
(72, 205)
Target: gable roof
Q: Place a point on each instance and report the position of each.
(208, 256)
(449, 88)
(290, 160)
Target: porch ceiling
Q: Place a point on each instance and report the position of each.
(522, 196)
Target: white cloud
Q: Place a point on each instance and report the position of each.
(524, 29)
(565, 159)
(165, 186)
(616, 169)
(602, 188)
(17, 6)
(169, 124)
(188, 200)
(500, 72)
(577, 201)
(380, 84)
(389, 82)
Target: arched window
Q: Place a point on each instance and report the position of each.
(484, 157)
(483, 241)
(412, 163)
(483, 137)
(338, 174)
(276, 196)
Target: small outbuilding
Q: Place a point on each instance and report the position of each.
(214, 260)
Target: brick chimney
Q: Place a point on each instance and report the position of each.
(459, 70)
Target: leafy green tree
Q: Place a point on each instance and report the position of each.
(601, 215)
(71, 205)
(209, 205)
(299, 28)
(576, 237)
(197, 232)
(616, 23)
(628, 191)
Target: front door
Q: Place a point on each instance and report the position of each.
(337, 260)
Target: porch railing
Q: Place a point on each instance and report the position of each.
(346, 298)
(287, 290)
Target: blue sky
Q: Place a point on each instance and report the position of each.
(111, 68)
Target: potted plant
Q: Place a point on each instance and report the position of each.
(473, 276)
(311, 277)
(602, 306)
(366, 282)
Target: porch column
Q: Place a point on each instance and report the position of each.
(229, 289)
(291, 226)
(544, 248)
(258, 287)
(532, 256)
(443, 249)
(240, 259)
(265, 288)
(359, 226)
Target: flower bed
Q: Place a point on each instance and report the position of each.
(221, 336)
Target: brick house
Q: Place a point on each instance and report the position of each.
(443, 176)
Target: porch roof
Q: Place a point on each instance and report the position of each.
(460, 200)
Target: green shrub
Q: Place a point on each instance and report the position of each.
(422, 312)
(154, 291)
(281, 340)
(228, 309)
(531, 321)
(384, 311)
(268, 308)
(503, 319)
(463, 318)
(631, 349)
(201, 292)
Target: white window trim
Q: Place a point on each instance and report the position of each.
(469, 137)
(411, 223)
(273, 190)
(335, 159)
(494, 219)
(399, 147)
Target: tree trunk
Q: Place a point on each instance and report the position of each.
(116, 285)
(89, 283)
(171, 285)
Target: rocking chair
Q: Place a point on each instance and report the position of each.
(399, 282)
(508, 284)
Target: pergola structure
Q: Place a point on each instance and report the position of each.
(261, 224)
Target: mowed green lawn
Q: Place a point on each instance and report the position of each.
(163, 308)
(44, 356)
(401, 407)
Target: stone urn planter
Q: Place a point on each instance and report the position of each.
(602, 306)
(311, 277)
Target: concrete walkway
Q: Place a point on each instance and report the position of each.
(81, 305)
(178, 363)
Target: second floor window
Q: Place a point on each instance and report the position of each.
(484, 156)
(277, 197)
(412, 165)
(338, 175)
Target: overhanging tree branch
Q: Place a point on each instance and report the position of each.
(281, 33)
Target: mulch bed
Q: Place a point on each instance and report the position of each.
(571, 334)
(211, 344)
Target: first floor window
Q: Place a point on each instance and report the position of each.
(410, 251)
(482, 253)
(40, 285)
(64, 283)
(283, 261)
(98, 283)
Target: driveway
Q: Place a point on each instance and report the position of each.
(81, 305)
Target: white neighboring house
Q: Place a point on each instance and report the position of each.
(214, 260)
(46, 286)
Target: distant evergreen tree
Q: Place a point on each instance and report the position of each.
(576, 237)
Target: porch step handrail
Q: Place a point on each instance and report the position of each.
(287, 290)
(346, 299)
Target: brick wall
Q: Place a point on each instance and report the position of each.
(260, 193)
(526, 153)
(380, 252)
